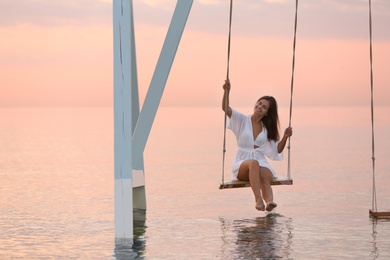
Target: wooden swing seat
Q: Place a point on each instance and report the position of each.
(242, 184)
(379, 214)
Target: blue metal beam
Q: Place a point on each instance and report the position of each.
(159, 80)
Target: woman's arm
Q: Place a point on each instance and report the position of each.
(225, 99)
(282, 143)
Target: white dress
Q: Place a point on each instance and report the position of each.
(241, 125)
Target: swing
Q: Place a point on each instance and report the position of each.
(278, 180)
(373, 211)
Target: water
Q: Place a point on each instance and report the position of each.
(56, 188)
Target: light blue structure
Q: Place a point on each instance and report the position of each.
(132, 126)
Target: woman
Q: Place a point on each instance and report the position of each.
(257, 136)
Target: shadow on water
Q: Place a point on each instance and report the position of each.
(375, 248)
(133, 249)
(267, 237)
(374, 251)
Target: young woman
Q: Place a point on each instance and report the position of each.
(257, 136)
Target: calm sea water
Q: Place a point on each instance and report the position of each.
(56, 188)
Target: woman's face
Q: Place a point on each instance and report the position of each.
(261, 107)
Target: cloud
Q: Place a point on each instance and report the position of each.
(320, 19)
(251, 18)
(210, 2)
(343, 19)
(276, 1)
(54, 13)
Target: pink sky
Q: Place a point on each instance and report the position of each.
(60, 52)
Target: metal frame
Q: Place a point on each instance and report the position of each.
(132, 127)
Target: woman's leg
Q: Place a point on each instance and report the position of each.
(266, 189)
(250, 171)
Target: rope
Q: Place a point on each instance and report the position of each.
(229, 37)
(226, 96)
(374, 204)
(292, 88)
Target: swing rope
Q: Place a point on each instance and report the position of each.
(374, 204)
(226, 96)
(291, 93)
(292, 88)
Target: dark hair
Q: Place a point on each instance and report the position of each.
(271, 121)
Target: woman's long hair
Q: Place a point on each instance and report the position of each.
(271, 121)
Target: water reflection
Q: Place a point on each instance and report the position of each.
(263, 237)
(376, 237)
(133, 249)
(374, 251)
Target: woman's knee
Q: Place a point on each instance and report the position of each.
(253, 164)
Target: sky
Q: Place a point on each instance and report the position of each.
(60, 53)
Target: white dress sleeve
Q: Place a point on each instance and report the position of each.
(271, 150)
(234, 123)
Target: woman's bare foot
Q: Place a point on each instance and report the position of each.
(260, 204)
(271, 206)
